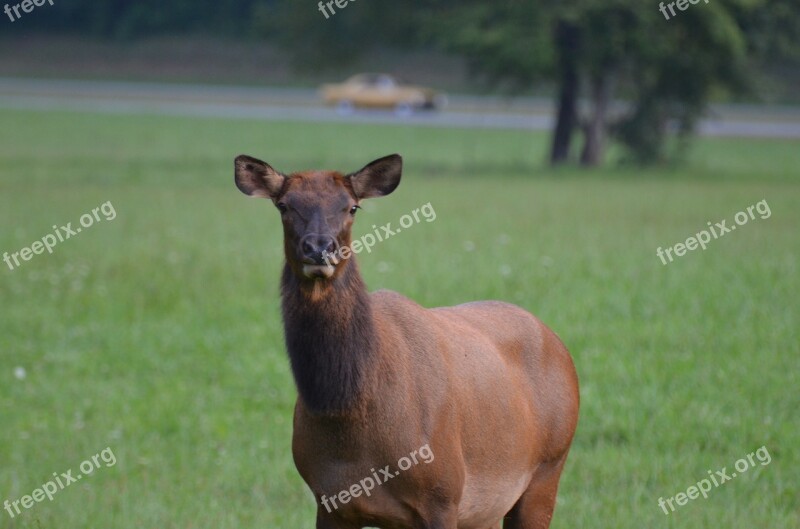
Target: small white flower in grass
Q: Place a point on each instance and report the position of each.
(19, 373)
(505, 270)
(469, 246)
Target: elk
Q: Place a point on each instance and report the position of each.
(485, 385)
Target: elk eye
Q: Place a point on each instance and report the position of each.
(282, 207)
(354, 209)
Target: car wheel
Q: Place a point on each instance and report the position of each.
(345, 107)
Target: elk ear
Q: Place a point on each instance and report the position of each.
(378, 178)
(256, 178)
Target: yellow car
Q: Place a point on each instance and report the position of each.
(379, 90)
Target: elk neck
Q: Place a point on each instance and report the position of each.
(331, 339)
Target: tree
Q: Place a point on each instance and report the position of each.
(668, 69)
(316, 41)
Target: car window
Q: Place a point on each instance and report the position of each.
(384, 81)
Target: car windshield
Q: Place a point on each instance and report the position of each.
(373, 79)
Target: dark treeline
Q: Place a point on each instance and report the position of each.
(127, 19)
(668, 60)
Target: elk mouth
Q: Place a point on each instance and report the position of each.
(325, 269)
(315, 271)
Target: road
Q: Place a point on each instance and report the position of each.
(304, 105)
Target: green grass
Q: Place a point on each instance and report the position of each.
(158, 333)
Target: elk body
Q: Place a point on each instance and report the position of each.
(485, 386)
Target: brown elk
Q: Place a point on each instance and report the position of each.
(486, 386)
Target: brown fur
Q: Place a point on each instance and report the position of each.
(489, 388)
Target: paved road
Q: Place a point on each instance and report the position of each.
(304, 105)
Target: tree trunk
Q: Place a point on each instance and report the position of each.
(596, 128)
(566, 39)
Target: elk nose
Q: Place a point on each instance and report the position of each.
(315, 247)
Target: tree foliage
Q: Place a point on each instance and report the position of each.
(126, 19)
(666, 69)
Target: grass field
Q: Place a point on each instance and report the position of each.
(157, 333)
